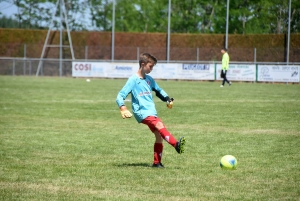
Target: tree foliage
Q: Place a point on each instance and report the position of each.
(189, 16)
(8, 22)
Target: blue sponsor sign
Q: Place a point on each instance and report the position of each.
(195, 67)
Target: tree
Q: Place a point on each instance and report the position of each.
(8, 22)
(76, 14)
(186, 16)
(189, 16)
(154, 19)
(101, 14)
(29, 14)
(261, 16)
(130, 15)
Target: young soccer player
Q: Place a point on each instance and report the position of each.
(141, 85)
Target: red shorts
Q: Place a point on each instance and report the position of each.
(151, 121)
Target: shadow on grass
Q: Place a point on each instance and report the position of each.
(134, 165)
(147, 165)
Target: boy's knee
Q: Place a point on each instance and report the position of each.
(159, 125)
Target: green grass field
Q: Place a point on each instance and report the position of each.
(64, 139)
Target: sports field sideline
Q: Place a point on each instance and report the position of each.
(64, 139)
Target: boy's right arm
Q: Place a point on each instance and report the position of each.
(125, 112)
(122, 96)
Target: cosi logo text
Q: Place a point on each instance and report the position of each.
(83, 67)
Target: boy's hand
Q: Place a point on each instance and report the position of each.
(170, 103)
(125, 112)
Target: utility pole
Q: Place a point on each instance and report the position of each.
(289, 34)
(113, 32)
(227, 22)
(169, 31)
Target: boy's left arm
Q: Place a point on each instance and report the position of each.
(162, 95)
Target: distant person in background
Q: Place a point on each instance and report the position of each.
(225, 66)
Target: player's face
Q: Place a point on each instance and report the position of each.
(148, 67)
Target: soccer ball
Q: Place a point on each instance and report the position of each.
(228, 162)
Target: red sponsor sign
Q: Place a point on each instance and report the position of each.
(83, 67)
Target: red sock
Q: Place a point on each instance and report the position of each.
(158, 149)
(166, 135)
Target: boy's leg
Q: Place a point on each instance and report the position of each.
(166, 135)
(178, 145)
(158, 128)
(156, 125)
(158, 148)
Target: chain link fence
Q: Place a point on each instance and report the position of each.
(23, 59)
(131, 53)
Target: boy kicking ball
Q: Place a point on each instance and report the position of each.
(141, 85)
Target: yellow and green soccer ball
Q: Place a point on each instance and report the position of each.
(228, 162)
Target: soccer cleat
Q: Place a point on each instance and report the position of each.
(158, 165)
(221, 86)
(180, 145)
(229, 83)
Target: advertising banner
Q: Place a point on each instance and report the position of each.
(238, 72)
(160, 70)
(196, 72)
(275, 73)
(89, 69)
(165, 71)
(103, 69)
(121, 70)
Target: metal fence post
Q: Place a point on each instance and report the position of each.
(215, 66)
(42, 68)
(24, 67)
(137, 53)
(30, 67)
(24, 62)
(86, 52)
(255, 64)
(255, 55)
(197, 54)
(13, 70)
(256, 77)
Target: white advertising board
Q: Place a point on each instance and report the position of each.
(160, 70)
(275, 73)
(121, 70)
(103, 69)
(89, 69)
(238, 72)
(165, 71)
(196, 72)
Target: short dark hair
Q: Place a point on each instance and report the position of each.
(146, 58)
(225, 49)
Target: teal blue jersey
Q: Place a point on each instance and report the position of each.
(141, 96)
